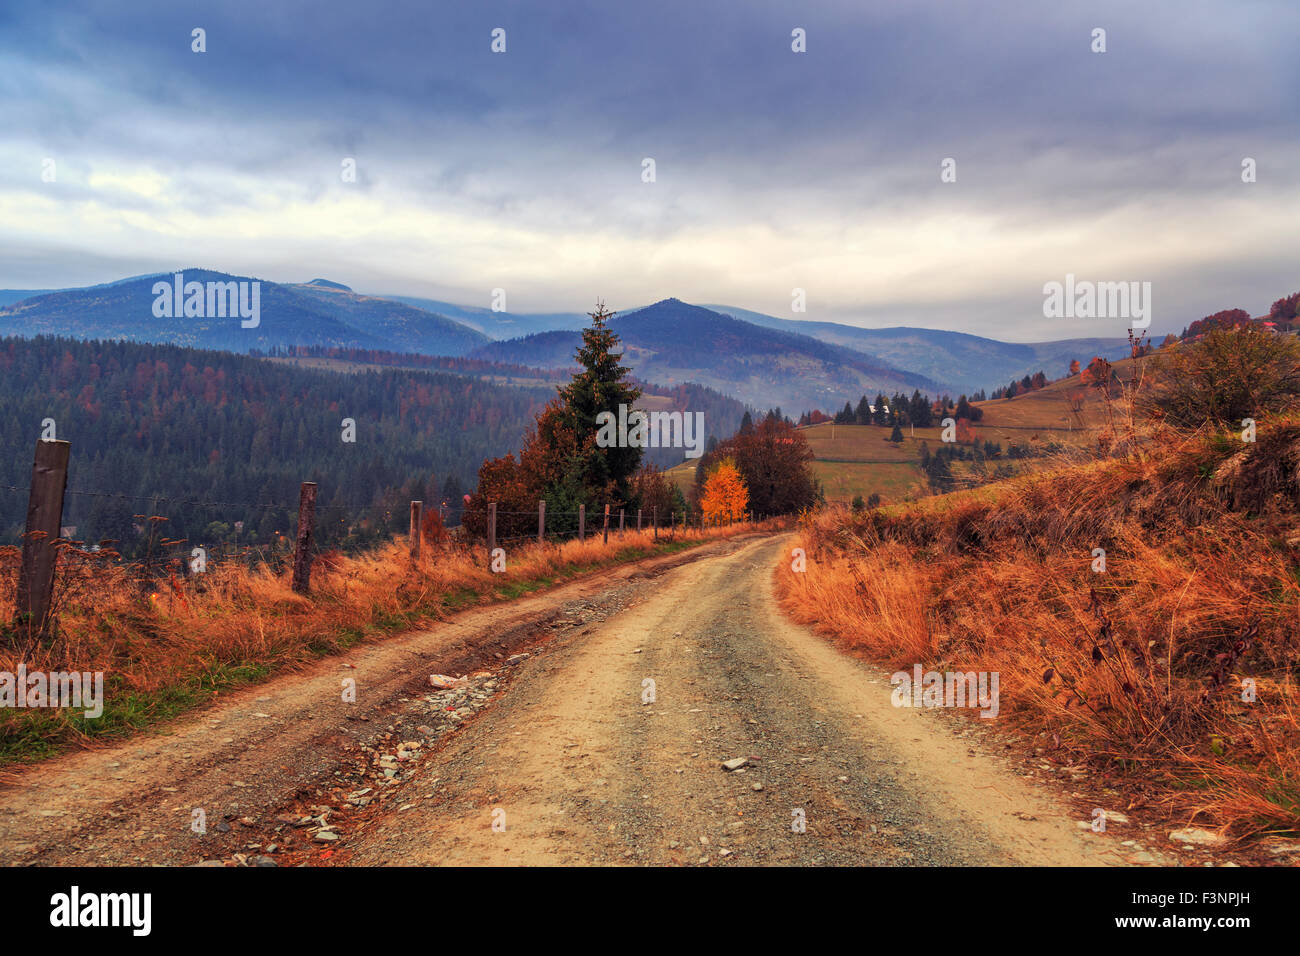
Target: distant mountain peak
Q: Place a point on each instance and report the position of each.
(672, 307)
(671, 301)
(317, 313)
(673, 341)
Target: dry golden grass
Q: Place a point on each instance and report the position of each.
(1137, 671)
(171, 646)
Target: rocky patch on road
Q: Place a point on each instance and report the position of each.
(368, 782)
(371, 774)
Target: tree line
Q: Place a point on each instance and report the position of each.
(900, 411)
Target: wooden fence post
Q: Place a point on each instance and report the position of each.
(654, 520)
(638, 519)
(541, 522)
(620, 520)
(44, 522)
(606, 524)
(582, 522)
(306, 524)
(417, 513)
(492, 529)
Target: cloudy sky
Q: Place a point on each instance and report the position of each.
(775, 170)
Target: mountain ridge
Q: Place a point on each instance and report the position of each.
(328, 313)
(671, 341)
(964, 361)
(290, 314)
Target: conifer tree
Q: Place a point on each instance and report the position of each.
(600, 385)
(863, 413)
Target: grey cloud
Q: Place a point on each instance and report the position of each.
(550, 135)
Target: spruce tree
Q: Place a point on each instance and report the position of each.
(919, 407)
(863, 413)
(600, 385)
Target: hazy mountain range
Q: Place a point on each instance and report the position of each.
(964, 362)
(672, 341)
(498, 325)
(760, 359)
(314, 313)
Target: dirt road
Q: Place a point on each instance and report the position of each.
(603, 745)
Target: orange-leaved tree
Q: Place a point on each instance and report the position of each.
(725, 496)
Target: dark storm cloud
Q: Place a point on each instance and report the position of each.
(1046, 133)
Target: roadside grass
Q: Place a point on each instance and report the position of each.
(1140, 673)
(170, 651)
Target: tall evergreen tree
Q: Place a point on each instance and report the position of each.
(921, 413)
(601, 385)
(863, 413)
(898, 409)
(878, 416)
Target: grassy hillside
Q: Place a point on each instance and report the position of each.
(1162, 684)
(853, 460)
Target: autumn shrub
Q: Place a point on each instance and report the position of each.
(1228, 375)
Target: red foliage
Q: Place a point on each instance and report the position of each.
(431, 527)
(1098, 373)
(1226, 319)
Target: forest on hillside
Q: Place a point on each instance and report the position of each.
(722, 413)
(218, 443)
